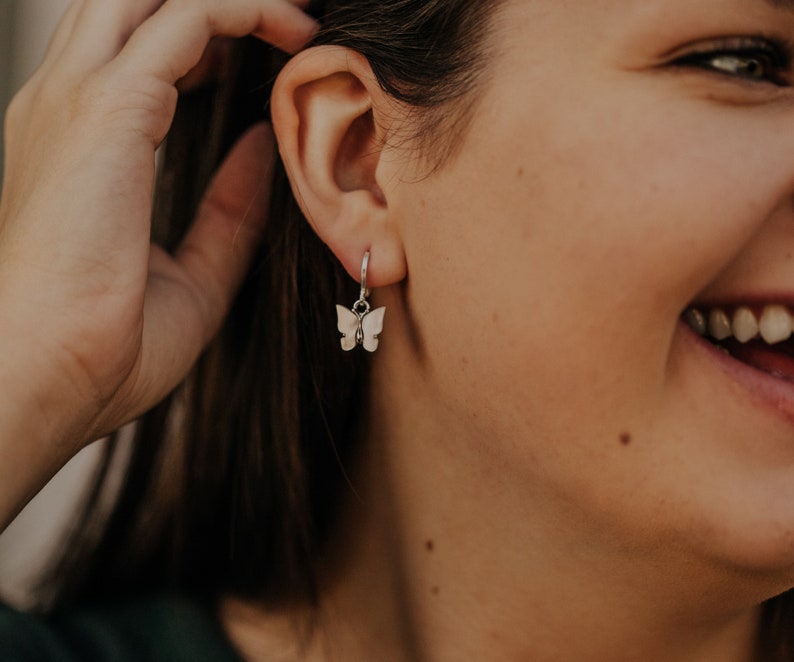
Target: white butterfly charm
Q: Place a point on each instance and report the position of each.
(360, 326)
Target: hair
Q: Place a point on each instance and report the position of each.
(231, 485)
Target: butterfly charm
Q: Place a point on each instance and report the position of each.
(360, 326)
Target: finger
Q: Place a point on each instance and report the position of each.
(194, 290)
(101, 29)
(218, 249)
(58, 41)
(207, 71)
(64, 30)
(170, 43)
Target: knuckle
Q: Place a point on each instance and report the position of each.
(136, 103)
(53, 96)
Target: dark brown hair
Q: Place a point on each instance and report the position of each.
(232, 483)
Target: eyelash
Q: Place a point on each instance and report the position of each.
(770, 58)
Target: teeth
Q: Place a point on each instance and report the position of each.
(745, 326)
(775, 325)
(697, 321)
(719, 325)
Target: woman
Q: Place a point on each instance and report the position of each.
(574, 441)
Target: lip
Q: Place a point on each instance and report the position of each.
(773, 394)
(746, 298)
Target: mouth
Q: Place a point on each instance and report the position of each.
(758, 336)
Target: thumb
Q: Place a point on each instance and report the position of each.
(190, 293)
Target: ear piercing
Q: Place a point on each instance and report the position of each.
(360, 325)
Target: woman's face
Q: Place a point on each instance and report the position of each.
(628, 160)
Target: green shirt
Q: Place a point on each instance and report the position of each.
(142, 630)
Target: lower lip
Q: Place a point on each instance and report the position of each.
(763, 389)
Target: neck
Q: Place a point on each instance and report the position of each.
(445, 555)
(442, 556)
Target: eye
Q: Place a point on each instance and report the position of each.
(750, 59)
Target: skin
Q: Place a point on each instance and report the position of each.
(103, 324)
(554, 468)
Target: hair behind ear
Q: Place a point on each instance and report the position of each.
(232, 483)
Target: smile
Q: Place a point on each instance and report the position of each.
(774, 324)
(760, 337)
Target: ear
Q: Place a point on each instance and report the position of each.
(330, 117)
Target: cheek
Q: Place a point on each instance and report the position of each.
(551, 263)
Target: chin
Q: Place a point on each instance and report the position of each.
(756, 545)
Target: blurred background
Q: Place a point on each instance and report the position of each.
(25, 29)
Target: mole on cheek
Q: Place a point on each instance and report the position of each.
(625, 438)
(430, 546)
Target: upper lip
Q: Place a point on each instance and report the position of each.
(752, 301)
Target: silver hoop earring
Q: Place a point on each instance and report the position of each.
(360, 325)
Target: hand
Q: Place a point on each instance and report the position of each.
(97, 324)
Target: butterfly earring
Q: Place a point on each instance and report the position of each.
(360, 325)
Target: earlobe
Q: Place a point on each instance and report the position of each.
(326, 108)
